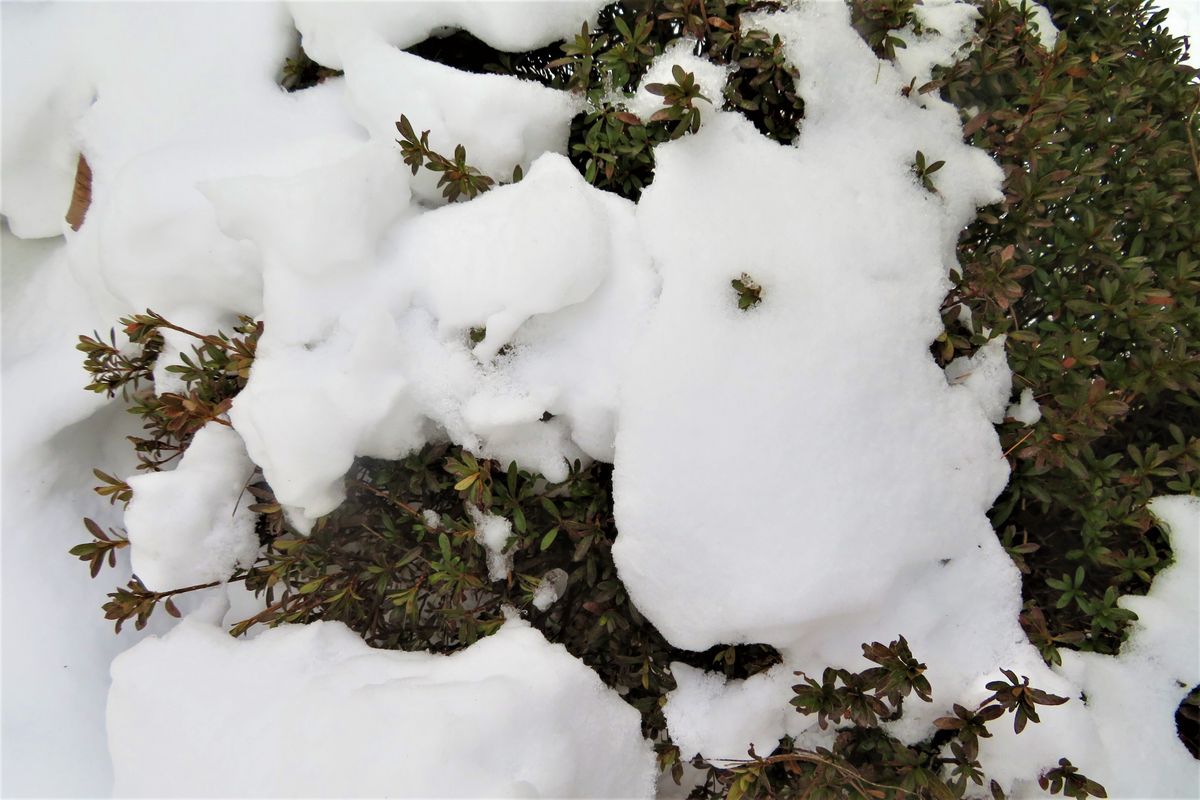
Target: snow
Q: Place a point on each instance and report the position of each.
(368, 306)
(192, 525)
(503, 122)
(311, 711)
(499, 294)
(947, 27)
(1131, 699)
(549, 589)
(56, 644)
(1026, 410)
(1183, 19)
(333, 31)
(492, 532)
(708, 714)
(847, 416)
(986, 375)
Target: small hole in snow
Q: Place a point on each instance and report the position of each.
(301, 72)
(735, 661)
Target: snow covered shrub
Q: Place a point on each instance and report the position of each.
(425, 553)
(415, 465)
(867, 761)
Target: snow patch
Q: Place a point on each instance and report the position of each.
(332, 32)
(510, 716)
(493, 532)
(1025, 411)
(192, 525)
(986, 375)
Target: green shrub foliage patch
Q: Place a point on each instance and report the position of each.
(1091, 266)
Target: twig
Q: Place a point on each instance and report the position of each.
(1018, 444)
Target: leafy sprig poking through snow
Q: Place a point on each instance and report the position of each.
(136, 602)
(1068, 781)
(213, 373)
(301, 72)
(458, 178)
(869, 762)
(878, 21)
(104, 547)
(680, 100)
(113, 370)
(612, 147)
(749, 293)
(923, 169)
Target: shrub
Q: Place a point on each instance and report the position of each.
(868, 762)
(1091, 267)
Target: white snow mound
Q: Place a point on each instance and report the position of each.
(192, 525)
(311, 711)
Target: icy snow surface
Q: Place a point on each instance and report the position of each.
(311, 711)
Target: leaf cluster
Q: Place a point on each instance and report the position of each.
(878, 20)
(457, 177)
(923, 169)
(749, 293)
(301, 72)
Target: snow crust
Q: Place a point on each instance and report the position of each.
(311, 711)
(502, 121)
(1046, 30)
(549, 589)
(492, 532)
